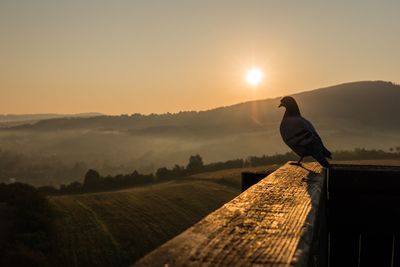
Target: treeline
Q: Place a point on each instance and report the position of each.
(94, 182)
(365, 154)
(196, 165)
(27, 237)
(356, 154)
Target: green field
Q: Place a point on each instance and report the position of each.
(117, 228)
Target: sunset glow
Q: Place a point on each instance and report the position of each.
(254, 76)
(124, 57)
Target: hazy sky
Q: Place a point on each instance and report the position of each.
(169, 55)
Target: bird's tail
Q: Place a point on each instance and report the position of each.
(321, 158)
(323, 161)
(326, 152)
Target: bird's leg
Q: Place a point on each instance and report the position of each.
(298, 163)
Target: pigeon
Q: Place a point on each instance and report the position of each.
(300, 135)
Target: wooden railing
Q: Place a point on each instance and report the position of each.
(348, 215)
(270, 224)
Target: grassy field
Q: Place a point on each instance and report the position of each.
(231, 177)
(117, 228)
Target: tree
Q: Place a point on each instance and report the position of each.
(178, 171)
(163, 173)
(92, 179)
(195, 164)
(48, 190)
(28, 240)
(74, 187)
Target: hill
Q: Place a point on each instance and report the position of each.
(359, 114)
(117, 228)
(12, 120)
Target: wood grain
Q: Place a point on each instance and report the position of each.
(270, 224)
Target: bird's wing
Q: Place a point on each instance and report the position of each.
(318, 139)
(325, 151)
(297, 132)
(310, 127)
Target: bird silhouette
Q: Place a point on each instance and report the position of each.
(300, 135)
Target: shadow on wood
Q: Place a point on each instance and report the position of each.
(251, 178)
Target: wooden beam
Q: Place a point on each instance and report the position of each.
(270, 224)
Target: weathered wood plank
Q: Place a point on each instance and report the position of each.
(270, 224)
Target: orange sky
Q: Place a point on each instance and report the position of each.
(165, 56)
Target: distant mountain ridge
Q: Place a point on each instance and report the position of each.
(24, 117)
(373, 103)
(11, 120)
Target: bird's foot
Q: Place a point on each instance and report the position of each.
(313, 177)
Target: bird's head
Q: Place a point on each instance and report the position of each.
(291, 106)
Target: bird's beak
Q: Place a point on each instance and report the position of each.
(280, 106)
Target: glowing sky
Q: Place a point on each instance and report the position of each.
(169, 55)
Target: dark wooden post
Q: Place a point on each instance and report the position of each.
(364, 215)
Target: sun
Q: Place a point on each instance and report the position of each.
(254, 76)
